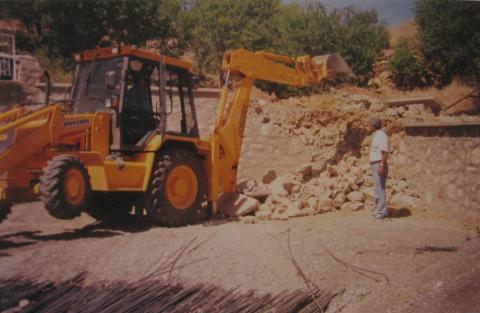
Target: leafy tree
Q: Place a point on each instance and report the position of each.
(215, 26)
(206, 27)
(406, 67)
(62, 28)
(307, 29)
(362, 38)
(449, 34)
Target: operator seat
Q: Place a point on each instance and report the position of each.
(137, 114)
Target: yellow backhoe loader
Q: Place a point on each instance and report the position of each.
(128, 135)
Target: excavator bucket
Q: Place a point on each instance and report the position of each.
(336, 66)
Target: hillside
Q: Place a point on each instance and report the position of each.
(405, 30)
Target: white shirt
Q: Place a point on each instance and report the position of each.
(379, 144)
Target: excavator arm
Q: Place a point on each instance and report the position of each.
(226, 140)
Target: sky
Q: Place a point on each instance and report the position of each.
(394, 12)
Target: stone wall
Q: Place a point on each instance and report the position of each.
(443, 165)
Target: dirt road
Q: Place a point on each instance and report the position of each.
(374, 262)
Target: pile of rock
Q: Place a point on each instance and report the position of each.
(338, 176)
(312, 189)
(382, 75)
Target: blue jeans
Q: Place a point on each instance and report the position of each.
(379, 193)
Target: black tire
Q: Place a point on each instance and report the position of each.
(106, 206)
(53, 189)
(159, 207)
(5, 209)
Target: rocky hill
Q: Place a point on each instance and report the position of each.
(406, 30)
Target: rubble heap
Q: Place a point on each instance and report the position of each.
(338, 176)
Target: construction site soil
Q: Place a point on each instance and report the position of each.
(340, 251)
(319, 144)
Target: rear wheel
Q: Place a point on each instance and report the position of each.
(177, 188)
(65, 187)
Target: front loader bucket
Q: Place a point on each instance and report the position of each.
(336, 65)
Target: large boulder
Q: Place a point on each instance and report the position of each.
(234, 204)
(246, 185)
(324, 204)
(269, 177)
(403, 201)
(356, 196)
(294, 209)
(282, 186)
(251, 188)
(309, 170)
(339, 200)
(263, 215)
(352, 206)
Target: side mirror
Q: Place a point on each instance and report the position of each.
(110, 79)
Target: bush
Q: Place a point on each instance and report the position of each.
(450, 38)
(362, 38)
(61, 28)
(54, 66)
(406, 67)
(207, 27)
(215, 26)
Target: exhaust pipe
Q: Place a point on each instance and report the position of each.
(47, 88)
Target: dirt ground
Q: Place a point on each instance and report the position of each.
(342, 251)
(374, 266)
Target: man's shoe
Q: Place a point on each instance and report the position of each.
(380, 218)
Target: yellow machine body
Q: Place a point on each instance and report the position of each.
(43, 134)
(28, 140)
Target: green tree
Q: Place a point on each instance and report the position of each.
(406, 66)
(356, 34)
(449, 35)
(307, 29)
(215, 26)
(62, 28)
(362, 37)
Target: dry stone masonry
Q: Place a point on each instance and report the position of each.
(445, 161)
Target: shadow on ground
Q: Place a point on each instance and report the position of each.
(113, 226)
(398, 212)
(100, 229)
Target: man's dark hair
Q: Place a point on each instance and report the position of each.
(376, 122)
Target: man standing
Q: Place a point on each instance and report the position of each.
(378, 162)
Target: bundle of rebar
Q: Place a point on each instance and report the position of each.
(149, 295)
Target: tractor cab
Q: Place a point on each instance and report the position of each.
(145, 93)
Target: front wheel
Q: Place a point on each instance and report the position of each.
(65, 187)
(177, 188)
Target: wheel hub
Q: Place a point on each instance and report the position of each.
(74, 186)
(182, 187)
